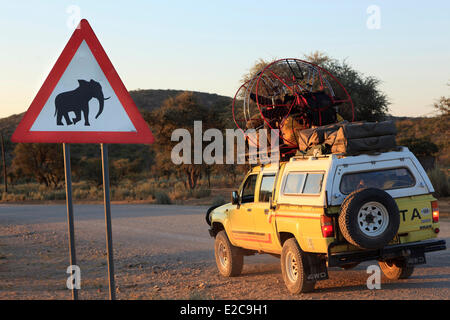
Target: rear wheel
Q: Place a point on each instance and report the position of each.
(292, 268)
(395, 269)
(229, 259)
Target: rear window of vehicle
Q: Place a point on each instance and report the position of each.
(303, 183)
(381, 179)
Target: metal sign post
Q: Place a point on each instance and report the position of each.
(109, 246)
(68, 174)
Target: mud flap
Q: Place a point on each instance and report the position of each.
(315, 268)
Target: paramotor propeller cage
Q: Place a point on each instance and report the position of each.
(287, 89)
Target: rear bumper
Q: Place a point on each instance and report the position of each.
(414, 252)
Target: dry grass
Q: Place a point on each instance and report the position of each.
(149, 190)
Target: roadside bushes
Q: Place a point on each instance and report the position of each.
(13, 197)
(33, 191)
(145, 190)
(441, 181)
(84, 191)
(201, 193)
(162, 198)
(181, 192)
(59, 194)
(218, 201)
(150, 189)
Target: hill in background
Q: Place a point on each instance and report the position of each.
(150, 100)
(9, 124)
(435, 129)
(145, 100)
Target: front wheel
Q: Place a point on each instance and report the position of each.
(395, 269)
(229, 259)
(292, 268)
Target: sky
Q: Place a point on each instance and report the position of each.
(208, 45)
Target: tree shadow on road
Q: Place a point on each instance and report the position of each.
(258, 270)
(412, 283)
(166, 261)
(432, 276)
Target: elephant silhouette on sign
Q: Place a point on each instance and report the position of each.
(77, 101)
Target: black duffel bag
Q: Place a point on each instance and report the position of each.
(350, 138)
(308, 138)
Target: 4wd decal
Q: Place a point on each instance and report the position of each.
(317, 276)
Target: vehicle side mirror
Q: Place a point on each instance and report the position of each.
(235, 197)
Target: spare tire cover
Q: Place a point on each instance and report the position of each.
(369, 218)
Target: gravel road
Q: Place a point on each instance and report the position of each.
(165, 252)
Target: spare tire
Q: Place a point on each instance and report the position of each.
(369, 218)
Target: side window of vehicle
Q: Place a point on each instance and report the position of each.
(303, 183)
(248, 191)
(294, 183)
(265, 192)
(313, 184)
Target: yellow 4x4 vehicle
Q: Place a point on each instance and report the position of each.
(328, 211)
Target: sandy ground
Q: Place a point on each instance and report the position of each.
(165, 252)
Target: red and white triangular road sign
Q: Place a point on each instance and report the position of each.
(83, 100)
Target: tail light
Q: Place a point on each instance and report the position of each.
(435, 210)
(327, 226)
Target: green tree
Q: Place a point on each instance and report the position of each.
(43, 162)
(442, 106)
(90, 169)
(177, 113)
(370, 103)
(420, 146)
(257, 67)
(318, 57)
(125, 169)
